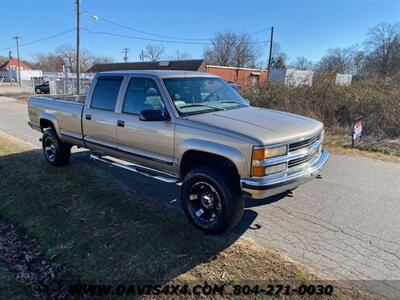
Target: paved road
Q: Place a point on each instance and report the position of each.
(346, 225)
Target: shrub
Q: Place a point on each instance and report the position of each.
(337, 106)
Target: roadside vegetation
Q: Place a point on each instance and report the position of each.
(378, 102)
(101, 231)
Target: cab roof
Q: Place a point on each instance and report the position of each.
(159, 73)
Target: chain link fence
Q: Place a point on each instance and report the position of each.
(58, 86)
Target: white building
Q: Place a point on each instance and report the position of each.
(291, 77)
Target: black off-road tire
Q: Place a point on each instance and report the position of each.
(228, 190)
(38, 91)
(56, 152)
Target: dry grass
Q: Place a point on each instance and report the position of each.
(82, 217)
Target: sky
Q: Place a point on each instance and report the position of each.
(302, 27)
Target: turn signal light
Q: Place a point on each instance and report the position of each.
(258, 171)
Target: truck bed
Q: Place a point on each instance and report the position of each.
(65, 112)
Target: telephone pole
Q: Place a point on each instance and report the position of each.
(78, 66)
(271, 40)
(125, 52)
(19, 65)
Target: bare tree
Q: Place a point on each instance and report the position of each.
(66, 55)
(383, 48)
(154, 52)
(232, 49)
(359, 60)
(302, 63)
(178, 55)
(102, 59)
(48, 62)
(338, 60)
(279, 58)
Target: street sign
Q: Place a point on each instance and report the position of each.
(357, 130)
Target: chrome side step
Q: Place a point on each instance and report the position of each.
(162, 176)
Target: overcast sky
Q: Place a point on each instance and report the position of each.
(302, 28)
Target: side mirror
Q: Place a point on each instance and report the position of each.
(153, 115)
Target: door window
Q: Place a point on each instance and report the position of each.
(106, 93)
(142, 94)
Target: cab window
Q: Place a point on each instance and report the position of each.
(106, 93)
(142, 94)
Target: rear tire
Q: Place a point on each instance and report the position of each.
(212, 201)
(55, 151)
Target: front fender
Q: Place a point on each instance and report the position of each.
(235, 156)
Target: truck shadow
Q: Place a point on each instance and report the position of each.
(103, 223)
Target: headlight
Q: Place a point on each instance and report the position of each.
(275, 168)
(263, 153)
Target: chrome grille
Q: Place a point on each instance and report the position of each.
(308, 146)
(299, 161)
(302, 144)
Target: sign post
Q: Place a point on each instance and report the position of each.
(357, 130)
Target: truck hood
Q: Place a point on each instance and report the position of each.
(264, 125)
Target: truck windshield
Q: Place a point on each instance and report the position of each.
(194, 95)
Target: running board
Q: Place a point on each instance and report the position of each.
(136, 168)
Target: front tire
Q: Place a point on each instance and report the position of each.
(38, 91)
(55, 151)
(212, 201)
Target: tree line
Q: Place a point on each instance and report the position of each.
(377, 57)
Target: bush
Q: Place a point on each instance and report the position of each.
(337, 106)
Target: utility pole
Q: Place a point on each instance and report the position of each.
(78, 66)
(271, 40)
(125, 52)
(141, 56)
(19, 64)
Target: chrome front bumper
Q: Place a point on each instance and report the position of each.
(259, 188)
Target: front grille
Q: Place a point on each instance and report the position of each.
(301, 160)
(302, 144)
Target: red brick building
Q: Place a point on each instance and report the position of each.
(246, 77)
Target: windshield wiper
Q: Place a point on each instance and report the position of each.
(232, 101)
(201, 105)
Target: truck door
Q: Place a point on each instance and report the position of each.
(148, 143)
(99, 120)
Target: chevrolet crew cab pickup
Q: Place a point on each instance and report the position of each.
(188, 128)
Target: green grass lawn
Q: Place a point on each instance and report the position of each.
(83, 218)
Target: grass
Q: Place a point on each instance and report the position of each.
(9, 288)
(386, 150)
(102, 231)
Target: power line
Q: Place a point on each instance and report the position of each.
(161, 35)
(40, 40)
(154, 40)
(143, 38)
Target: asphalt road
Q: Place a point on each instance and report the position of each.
(347, 225)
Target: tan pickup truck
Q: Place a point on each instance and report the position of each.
(188, 128)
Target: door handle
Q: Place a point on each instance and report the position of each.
(121, 123)
(88, 117)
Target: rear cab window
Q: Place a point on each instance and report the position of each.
(105, 93)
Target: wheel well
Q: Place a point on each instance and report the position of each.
(44, 123)
(193, 159)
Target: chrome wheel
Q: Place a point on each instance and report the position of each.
(49, 148)
(205, 202)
